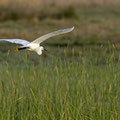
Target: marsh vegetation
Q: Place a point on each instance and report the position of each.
(77, 79)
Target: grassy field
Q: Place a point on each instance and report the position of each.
(77, 79)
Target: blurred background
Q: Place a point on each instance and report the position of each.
(96, 21)
(96, 25)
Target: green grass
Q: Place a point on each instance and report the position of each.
(77, 79)
(60, 89)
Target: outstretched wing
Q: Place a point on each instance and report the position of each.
(44, 37)
(16, 41)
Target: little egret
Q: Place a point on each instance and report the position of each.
(35, 45)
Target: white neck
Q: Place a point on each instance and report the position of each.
(39, 50)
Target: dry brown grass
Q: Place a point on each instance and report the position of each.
(38, 3)
(15, 9)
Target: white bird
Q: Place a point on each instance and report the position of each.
(35, 45)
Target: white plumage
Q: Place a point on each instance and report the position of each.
(35, 45)
(17, 41)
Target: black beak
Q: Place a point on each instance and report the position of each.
(45, 49)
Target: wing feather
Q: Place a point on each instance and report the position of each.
(16, 41)
(49, 35)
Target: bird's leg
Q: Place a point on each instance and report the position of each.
(20, 48)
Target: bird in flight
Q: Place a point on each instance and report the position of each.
(35, 44)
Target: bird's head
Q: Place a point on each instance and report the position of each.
(43, 48)
(39, 50)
